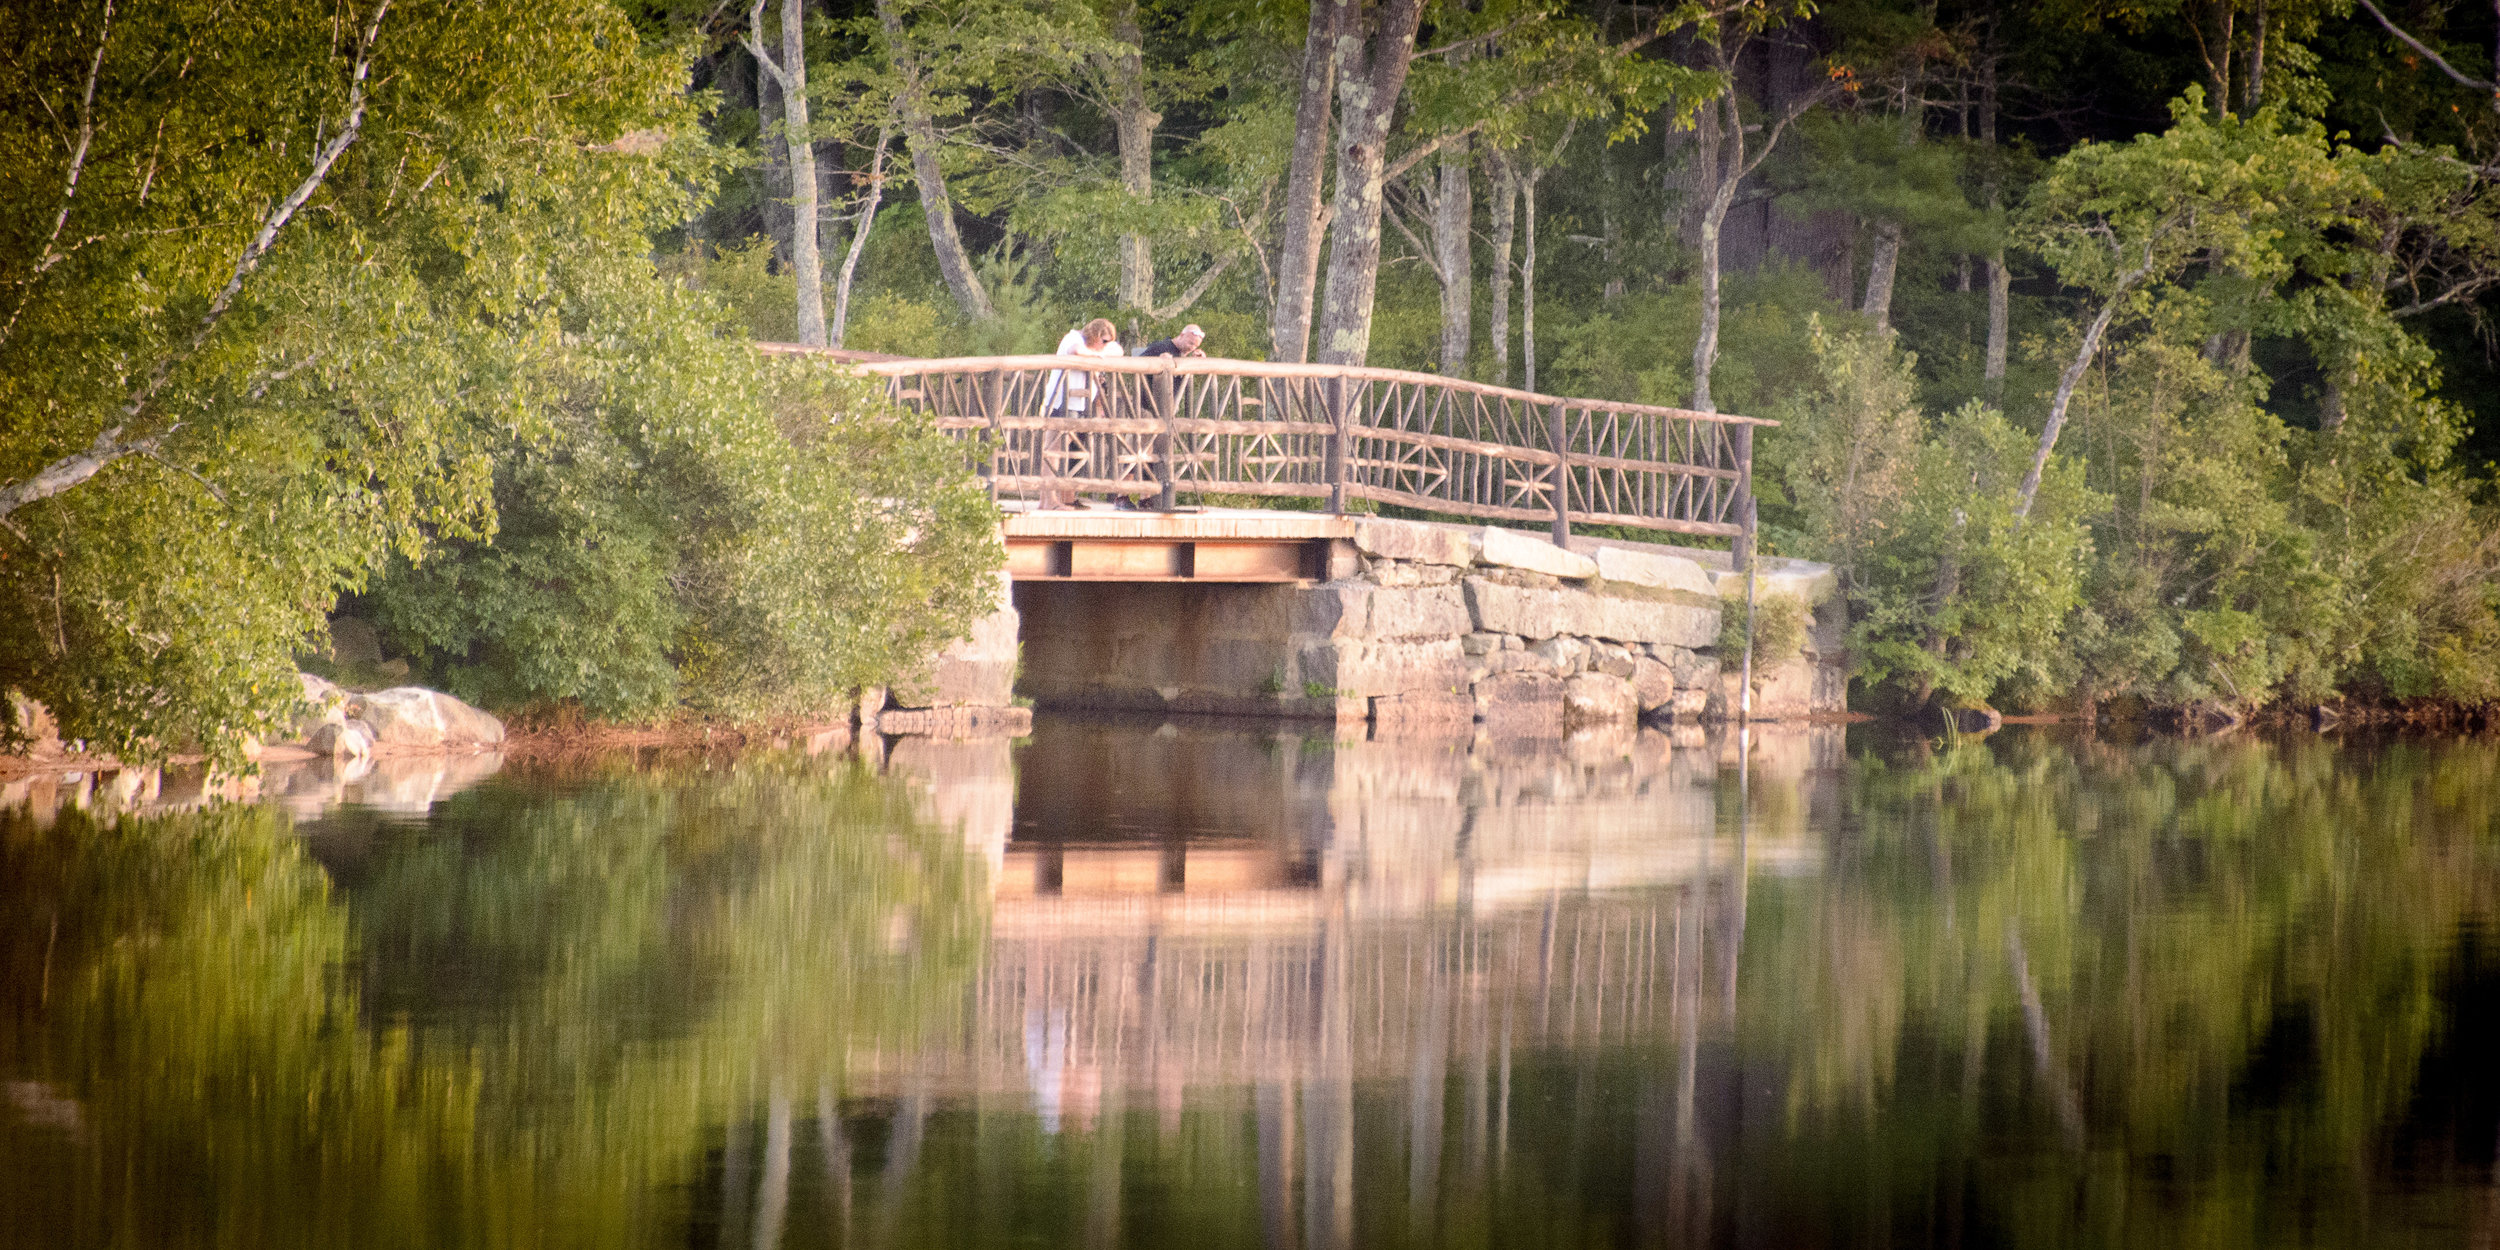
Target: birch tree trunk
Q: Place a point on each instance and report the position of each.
(1305, 216)
(2000, 280)
(920, 134)
(1527, 277)
(1610, 228)
(2067, 381)
(2253, 76)
(2218, 56)
(1879, 271)
(2000, 300)
(1452, 236)
(1371, 74)
(1135, 125)
(866, 221)
(1505, 209)
(774, 193)
(1700, 177)
(789, 78)
(1730, 171)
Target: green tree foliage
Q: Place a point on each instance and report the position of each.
(739, 538)
(275, 399)
(292, 294)
(1951, 591)
(2203, 549)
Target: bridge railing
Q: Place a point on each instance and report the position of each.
(1161, 427)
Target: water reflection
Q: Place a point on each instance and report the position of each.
(1145, 984)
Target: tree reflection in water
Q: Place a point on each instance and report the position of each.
(1157, 985)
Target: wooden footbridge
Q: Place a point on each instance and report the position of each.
(1162, 432)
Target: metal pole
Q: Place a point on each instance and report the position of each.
(1555, 443)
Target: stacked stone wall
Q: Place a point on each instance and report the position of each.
(1435, 627)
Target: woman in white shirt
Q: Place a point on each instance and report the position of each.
(1069, 393)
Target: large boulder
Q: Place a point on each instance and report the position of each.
(415, 718)
(1653, 685)
(1598, 699)
(1415, 541)
(1520, 704)
(1507, 548)
(1654, 569)
(324, 704)
(1418, 612)
(342, 740)
(1636, 616)
(43, 735)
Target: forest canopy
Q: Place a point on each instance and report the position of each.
(2123, 352)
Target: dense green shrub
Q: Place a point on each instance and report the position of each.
(737, 535)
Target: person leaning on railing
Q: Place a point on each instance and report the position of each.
(1071, 393)
(1186, 343)
(1189, 342)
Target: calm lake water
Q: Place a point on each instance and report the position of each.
(1227, 985)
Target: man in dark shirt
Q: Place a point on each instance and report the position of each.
(1184, 343)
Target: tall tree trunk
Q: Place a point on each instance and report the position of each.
(1527, 277)
(2000, 306)
(2000, 280)
(1700, 176)
(1610, 228)
(1305, 216)
(2218, 54)
(1371, 74)
(2253, 76)
(1505, 208)
(1453, 225)
(861, 225)
(1879, 272)
(1135, 125)
(1730, 170)
(774, 194)
(789, 76)
(2067, 381)
(920, 134)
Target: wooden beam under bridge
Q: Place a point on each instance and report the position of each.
(1199, 546)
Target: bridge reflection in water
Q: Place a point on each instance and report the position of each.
(1252, 921)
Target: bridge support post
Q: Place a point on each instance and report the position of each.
(1742, 505)
(994, 407)
(1555, 442)
(1164, 397)
(1340, 420)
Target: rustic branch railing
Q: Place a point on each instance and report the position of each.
(1162, 426)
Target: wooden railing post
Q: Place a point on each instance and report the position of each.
(1163, 441)
(1340, 420)
(1556, 442)
(993, 407)
(1742, 548)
